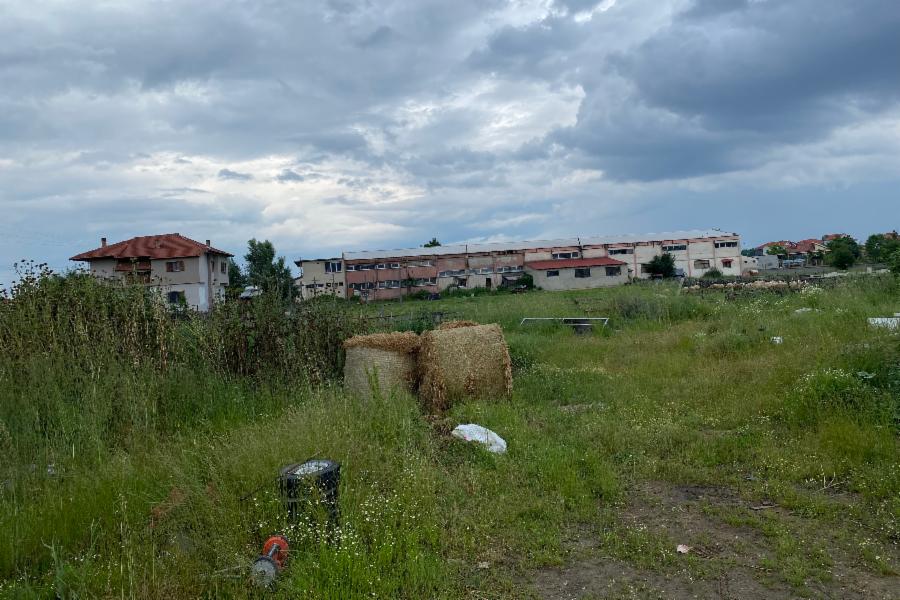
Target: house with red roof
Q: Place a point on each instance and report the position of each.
(183, 270)
(577, 273)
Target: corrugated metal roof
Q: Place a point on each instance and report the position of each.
(169, 245)
(572, 263)
(534, 244)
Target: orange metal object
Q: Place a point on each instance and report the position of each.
(280, 554)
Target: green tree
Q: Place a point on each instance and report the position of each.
(843, 252)
(893, 262)
(236, 277)
(271, 274)
(663, 265)
(874, 245)
(433, 243)
(776, 250)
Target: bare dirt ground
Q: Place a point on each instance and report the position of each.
(725, 560)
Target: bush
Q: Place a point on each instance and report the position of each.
(95, 365)
(713, 273)
(662, 265)
(634, 307)
(831, 392)
(893, 262)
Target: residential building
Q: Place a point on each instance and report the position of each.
(184, 271)
(830, 237)
(320, 276)
(577, 273)
(386, 274)
(808, 252)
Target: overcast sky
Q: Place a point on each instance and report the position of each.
(352, 124)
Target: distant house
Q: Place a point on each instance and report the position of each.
(804, 252)
(830, 237)
(183, 270)
(577, 273)
(811, 250)
(391, 274)
(319, 276)
(763, 250)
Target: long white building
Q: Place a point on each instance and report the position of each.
(578, 262)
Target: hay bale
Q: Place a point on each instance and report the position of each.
(456, 325)
(463, 362)
(388, 357)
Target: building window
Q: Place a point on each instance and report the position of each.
(174, 266)
(731, 244)
(701, 264)
(613, 271)
(395, 265)
(381, 266)
(564, 255)
(176, 297)
(727, 263)
(333, 266)
(223, 267)
(674, 248)
(553, 273)
(582, 273)
(614, 251)
(351, 267)
(645, 268)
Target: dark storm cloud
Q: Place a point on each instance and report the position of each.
(401, 113)
(726, 82)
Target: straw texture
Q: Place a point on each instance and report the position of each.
(463, 362)
(456, 324)
(389, 358)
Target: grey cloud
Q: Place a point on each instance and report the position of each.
(577, 6)
(702, 9)
(710, 97)
(380, 37)
(288, 175)
(541, 49)
(104, 109)
(234, 175)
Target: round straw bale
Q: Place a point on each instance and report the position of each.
(456, 324)
(387, 360)
(464, 362)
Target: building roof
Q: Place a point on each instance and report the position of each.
(808, 245)
(572, 263)
(169, 245)
(535, 244)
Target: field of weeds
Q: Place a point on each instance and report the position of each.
(139, 451)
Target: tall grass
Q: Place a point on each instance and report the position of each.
(142, 465)
(87, 366)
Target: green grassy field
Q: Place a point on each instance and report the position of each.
(680, 423)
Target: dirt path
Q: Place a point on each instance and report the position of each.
(728, 559)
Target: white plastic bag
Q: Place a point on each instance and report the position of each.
(482, 435)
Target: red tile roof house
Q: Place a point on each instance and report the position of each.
(577, 273)
(182, 269)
